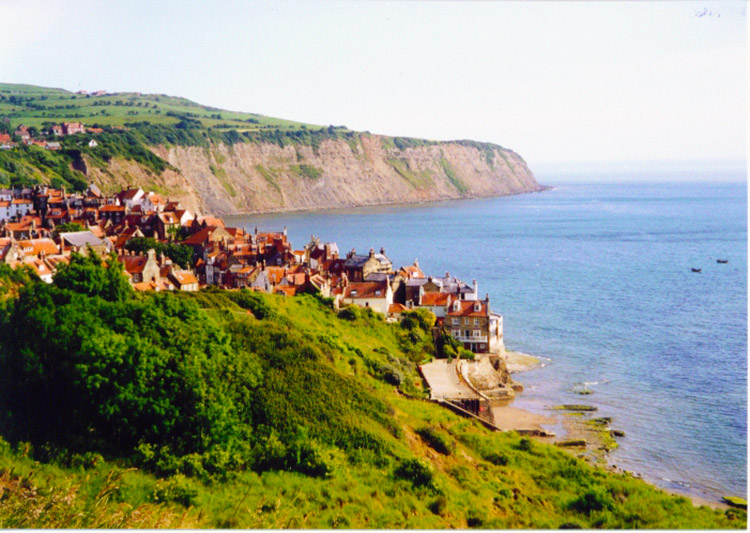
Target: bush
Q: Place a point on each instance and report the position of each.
(496, 459)
(436, 440)
(177, 489)
(525, 445)
(419, 318)
(392, 376)
(592, 501)
(439, 505)
(350, 313)
(415, 471)
(254, 302)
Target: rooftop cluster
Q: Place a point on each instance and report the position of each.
(163, 246)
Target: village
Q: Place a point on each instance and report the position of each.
(41, 227)
(31, 136)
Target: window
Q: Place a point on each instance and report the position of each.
(466, 321)
(377, 292)
(477, 333)
(476, 321)
(483, 346)
(467, 333)
(456, 332)
(456, 321)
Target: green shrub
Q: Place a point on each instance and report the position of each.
(436, 440)
(350, 313)
(254, 302)
(415, 471)
(177, 489)
(496, 459)
(525, 445)
(439, 505)
(591, 501)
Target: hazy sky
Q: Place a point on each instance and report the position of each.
(555, 81)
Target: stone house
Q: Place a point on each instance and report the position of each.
(359, 267)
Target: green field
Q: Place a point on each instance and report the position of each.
(35, 106)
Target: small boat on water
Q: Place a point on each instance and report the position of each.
(695, 269)
(722, 261)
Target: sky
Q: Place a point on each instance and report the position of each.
(558, 82)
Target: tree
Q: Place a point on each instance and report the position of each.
(67, 228)
(85, 274)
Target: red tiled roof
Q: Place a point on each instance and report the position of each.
(435, 298)
(366, 289)
(133, 263)
(185, 278)
(211, 221)
(286, 290)
(396, 309)
(201, 237)
(36, 246)
(466, 308)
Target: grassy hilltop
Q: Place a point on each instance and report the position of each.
(238, 409)
(33, 106)
(143, 128)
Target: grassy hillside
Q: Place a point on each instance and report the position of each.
(33, 106)
(236, 409)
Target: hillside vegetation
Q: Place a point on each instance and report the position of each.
(224, 162)
(239, 409)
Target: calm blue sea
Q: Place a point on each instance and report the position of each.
(596, 278)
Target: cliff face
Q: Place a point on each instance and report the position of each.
(254, 178)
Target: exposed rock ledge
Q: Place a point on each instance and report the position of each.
(258, 178)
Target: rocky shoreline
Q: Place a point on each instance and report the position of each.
(581, 432)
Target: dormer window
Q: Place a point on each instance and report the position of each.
(477, 307)
(354, 293)
(456, 305)
(377, 292)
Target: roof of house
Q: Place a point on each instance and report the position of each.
(112, 208)
(129, 194)
(201, 237)
(397, 309)
(184, 278)
(358, 261)
(83, 238)
(412, 271)
(211, 221)
(366, 289)
(435, 299)
(466, 308)
(286, 290)
(133, 263)
(37, 246)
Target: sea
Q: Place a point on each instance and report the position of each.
(594, 276)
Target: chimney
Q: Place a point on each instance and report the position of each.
(476, 289)
(416, 263)
(382, 250)
(447, 275)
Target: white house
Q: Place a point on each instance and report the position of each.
(376, 295)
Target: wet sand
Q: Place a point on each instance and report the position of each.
(509, 418)
(520, 362)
